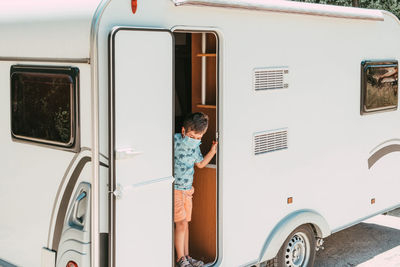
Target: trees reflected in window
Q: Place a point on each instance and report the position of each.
(379, 86)
(43, 105)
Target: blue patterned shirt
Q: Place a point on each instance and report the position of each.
(185, 158)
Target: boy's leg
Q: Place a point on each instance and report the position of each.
(181, 228)
(182, 216)
(186, 248)
(188, 208)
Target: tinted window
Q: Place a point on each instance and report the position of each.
(379, 86)
(43, 104)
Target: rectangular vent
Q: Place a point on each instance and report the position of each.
(271, 78)
(270, 141)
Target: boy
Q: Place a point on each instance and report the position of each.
(187, 154)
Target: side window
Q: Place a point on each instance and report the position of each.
(379, 86)
(44, 105)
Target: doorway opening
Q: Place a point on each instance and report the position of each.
(196, 90)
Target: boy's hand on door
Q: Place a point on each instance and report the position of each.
(214, 147)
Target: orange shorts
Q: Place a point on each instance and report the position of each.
(183, 205)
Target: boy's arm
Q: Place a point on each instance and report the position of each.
(207, 158)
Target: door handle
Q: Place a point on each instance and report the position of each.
(79, 211)
(123, 153)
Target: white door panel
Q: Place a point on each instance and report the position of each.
(143, 104)
(144, 225)
(143, 62)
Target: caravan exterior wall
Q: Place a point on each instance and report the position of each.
(329, 142)
(326, 166)
(40, 178)
(36, 176)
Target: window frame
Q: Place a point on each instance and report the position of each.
(73, 72)
(364, 66)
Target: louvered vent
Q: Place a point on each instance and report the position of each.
(271, 78)
(265, 142)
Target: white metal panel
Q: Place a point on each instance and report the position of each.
(329, 146)
(144, 225)
(31, 177)
(53, 29)
(143, 104)
(48, 258)
(143, 143)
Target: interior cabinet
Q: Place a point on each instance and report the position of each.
(210, 83)
(203, 227)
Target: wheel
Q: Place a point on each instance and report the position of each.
(298, 250)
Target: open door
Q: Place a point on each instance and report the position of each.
(141, 143)
(196, 88)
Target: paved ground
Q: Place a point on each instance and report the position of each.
(372, 243)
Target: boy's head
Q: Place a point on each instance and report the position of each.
(195, 125)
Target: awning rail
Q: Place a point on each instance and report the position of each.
(290, 7)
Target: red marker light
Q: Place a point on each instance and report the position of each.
(72, 264)
(134, 6)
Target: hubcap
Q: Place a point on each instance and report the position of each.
(297, 251)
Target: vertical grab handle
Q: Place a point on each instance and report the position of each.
(78, 211)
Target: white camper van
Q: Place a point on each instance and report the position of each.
(303, 99)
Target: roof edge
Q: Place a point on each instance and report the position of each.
(390, 14)
(290, 7)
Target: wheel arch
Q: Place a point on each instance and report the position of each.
(288, 224)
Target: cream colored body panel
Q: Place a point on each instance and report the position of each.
(325, 168)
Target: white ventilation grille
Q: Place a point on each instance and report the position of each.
(269, 141)
(271, 78)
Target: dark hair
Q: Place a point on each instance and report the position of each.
(197, 122)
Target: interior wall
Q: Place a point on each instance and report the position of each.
(183, 78)
(203, 228)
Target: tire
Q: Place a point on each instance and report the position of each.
(298, 250)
